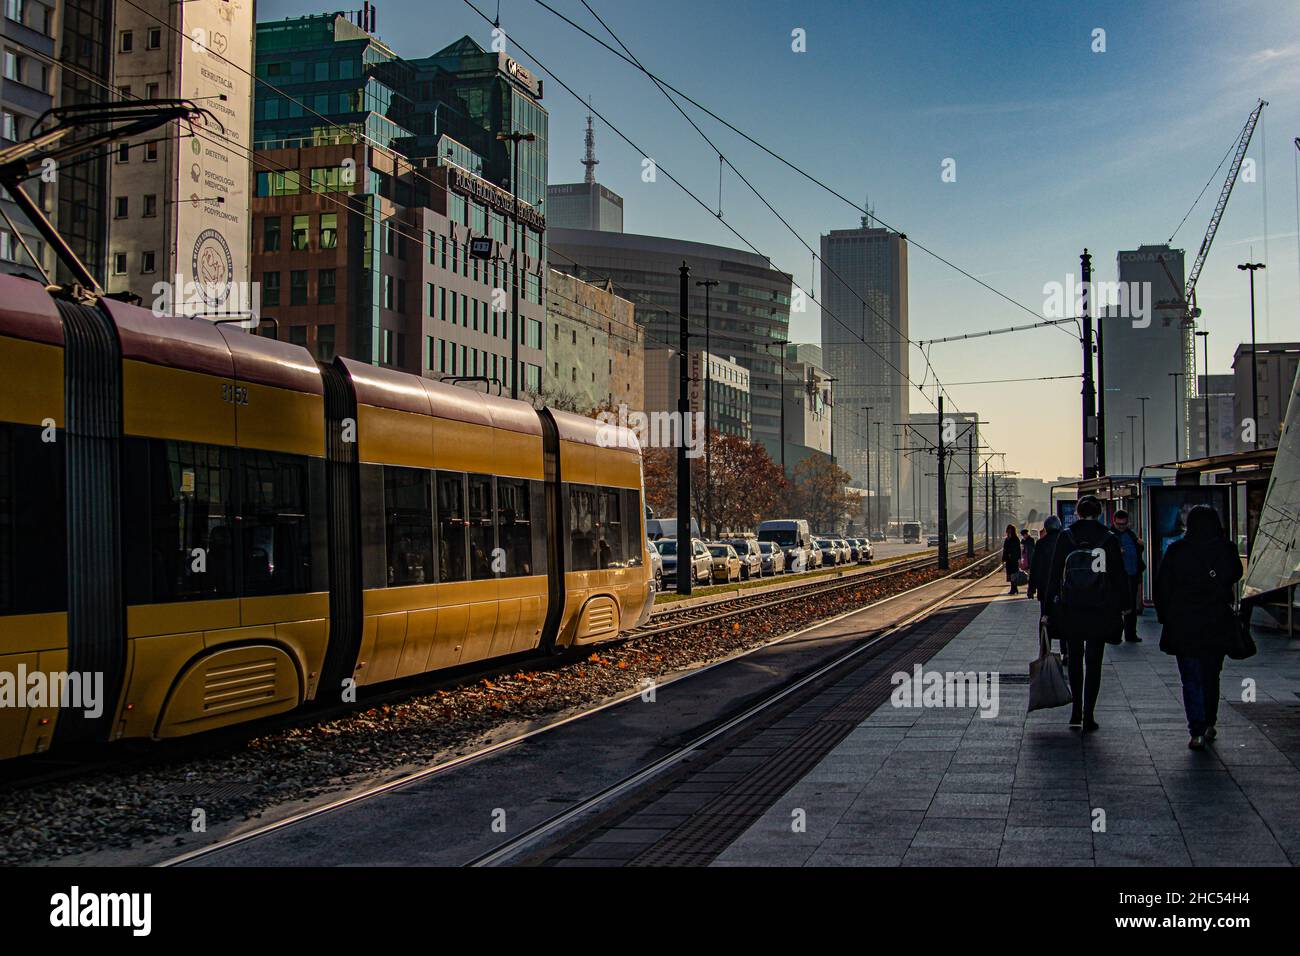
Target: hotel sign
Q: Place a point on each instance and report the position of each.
(520, 74)
(494, 196)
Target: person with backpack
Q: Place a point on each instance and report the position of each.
(1086, 589)
(1134, 565)
(1194, 601)
(1011, 557)
(1027, 557)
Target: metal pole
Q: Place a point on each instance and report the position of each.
(1089, 390)
(1252, 268)
(880, 518)
(685, 563)
(867, 409)
(942, 496)
(970, 493)
(988, 510)
(897, 496)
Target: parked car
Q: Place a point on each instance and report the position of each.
(725, 563)
(878, 536)
(867, 552)
(855, 548)
(830, 551)
(793, 537)
(846, 551)
(656, 564)
(751, 561)
(773, 557)
(701, 560)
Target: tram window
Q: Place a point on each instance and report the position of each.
(632, 534)
(609, 539)
(514, 527)
(177, 521)
(408, 526)
(540, 514)
(451, 526)
(482, 531)
(582, 528)
(275, 526)
(33, 546)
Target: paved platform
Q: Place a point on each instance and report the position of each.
(945, 786)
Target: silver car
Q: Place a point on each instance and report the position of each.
(656, 564)
(772, 557)
(751, 561)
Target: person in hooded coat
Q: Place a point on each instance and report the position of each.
(1194, 603)
(1011, 557)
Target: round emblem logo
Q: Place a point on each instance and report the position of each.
(212, 267)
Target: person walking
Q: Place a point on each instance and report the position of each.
(1194, 598)
(1134, 565)
(1040, 566)
(1027, 557)
(1011, 557)
(1086, 589)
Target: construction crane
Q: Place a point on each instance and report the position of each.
(1185, 302)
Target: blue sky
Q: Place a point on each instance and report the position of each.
(1056, 148)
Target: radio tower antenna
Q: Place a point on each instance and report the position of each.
(589, 160)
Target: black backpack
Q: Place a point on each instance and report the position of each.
(1083, 587)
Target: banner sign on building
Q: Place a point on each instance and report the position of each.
(213, 174)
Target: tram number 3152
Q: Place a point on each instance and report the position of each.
(234, 394)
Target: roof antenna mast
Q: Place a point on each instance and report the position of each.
(589, 159)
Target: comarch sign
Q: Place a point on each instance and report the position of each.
(213, 178)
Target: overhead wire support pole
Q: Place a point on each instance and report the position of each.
(685, 546)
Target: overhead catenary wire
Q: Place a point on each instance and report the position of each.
(777, 156)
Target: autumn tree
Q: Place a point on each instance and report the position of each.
(740, 482)
(819, 492)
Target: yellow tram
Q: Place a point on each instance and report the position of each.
(215, 528)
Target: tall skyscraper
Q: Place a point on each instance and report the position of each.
(1137, 357)
(864, 341)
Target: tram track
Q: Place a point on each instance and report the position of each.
(124, 756)
(444, 767)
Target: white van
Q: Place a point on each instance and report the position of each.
(792, 536)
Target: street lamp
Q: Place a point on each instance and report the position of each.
(708, 408)
(1205, 395)
(1252, 268)
(514, 139)
(1144, 399)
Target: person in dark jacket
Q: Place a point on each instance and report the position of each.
(1134, 565)
(1039, 567)
(1085, 609)
(1011, 557)
(1027, 556)
(1194, 598)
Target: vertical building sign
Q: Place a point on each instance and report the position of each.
(213, 179)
